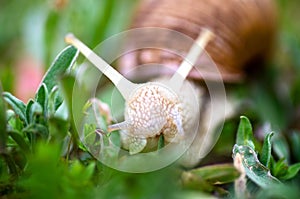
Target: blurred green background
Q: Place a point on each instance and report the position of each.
(32, 32)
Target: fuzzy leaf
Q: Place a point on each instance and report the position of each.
(19, 140)
(256, 171)
(42, 96)
(3, 133)
(36, 130)
(33, 108)
(291, 172)
(281, 148)
(266, 150)
(58, 128)
(15, 123)
(245, 133)
(217, 174)
(60, 65)
(51, 106)
(17, 105)
(66, 86)
(27, 111)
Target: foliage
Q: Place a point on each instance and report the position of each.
(259, 170)
(40, 152)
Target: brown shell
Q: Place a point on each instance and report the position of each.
(244, 32)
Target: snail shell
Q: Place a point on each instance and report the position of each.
(244, 32)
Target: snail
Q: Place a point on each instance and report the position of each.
(244, 33)
(238, 33)
(152, 108)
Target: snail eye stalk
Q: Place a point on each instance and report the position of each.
(187, 64)
(123, 85)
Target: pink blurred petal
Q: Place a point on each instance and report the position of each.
(29, 74)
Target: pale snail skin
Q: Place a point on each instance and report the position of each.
(151, 110)
(171, 114)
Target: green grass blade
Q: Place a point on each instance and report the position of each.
(266, 150)
(245, 133)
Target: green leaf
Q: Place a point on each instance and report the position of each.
(161, 142)
(17, 105)
(51, 106)
(42, 96)
(58, 128)
(35, 130)
(279, 191)
(245, 133)
(36, 109)
(295, 140)
(15, 123)
(19, 158)
(81, 173)
(27, 111)
(279, 168)
(291, 172)
(43, 167)
(33, 108)
(9, 114)
(66, 85)
(60, 65)
(281, 147)
(19, 139)
(217, 174)
(193, 181)
(10, 164)
(266, 150)
(3, 133)
(256, 171)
